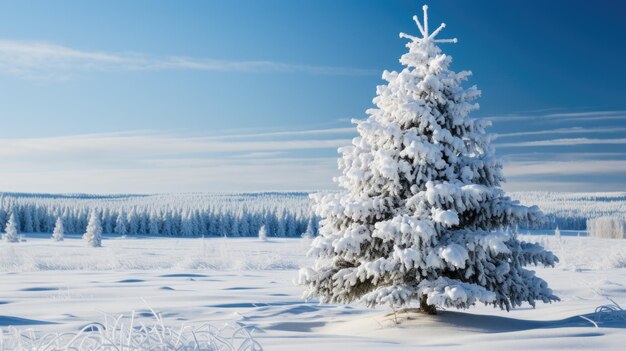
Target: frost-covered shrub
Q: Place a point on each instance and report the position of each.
(607, 227)
(135, 334)
(423, 217)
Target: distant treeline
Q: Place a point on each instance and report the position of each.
(282, 214)
(570, 211)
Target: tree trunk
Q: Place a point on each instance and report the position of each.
(425, 307)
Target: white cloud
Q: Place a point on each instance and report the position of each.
(280, 175)
(574, 176)
(151, 161)
(144, 145)
(569, 116)
(147, 162)
(41, 60)
(293, 133)
(586, 114)
(568, 168)
(565, 186)
(572, 130)
(565, 142)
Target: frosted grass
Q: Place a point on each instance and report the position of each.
(124, 334)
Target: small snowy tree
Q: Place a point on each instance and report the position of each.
(10, 231)
(557, 233)
(93, 234)
(422, 218)
(58, 233)
(310, 231)
(262, 233)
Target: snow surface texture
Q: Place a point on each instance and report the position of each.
(422, 215)
(57, 287)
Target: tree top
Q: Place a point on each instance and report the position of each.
(426, 36)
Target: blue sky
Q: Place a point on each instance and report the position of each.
(158, 96)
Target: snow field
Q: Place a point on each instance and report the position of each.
(39, 253)
(56, 287)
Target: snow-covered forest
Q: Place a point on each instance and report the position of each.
(571, 211)
(283, 214)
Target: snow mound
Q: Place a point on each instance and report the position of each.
(122, 334)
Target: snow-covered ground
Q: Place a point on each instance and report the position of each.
(62, 286)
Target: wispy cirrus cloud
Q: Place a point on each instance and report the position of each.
(586, 114)
(177, 176)
(305, 159)
(150, 161)
(42, 60)
(291, 133)
(585, 152)
(147, 145)
(571, 130)
(562, 117)
(565, 142)
(574, 175)
(580, 167)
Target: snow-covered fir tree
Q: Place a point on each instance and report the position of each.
(153, 224)
(107, 221)
(262, 233)
(133, 222)
(244, 223)
(422, 218)
(281, 228)
(120, 224)
(27, 221)
(10, 231)
(186, 228)
(234, 226)
(93, 234)
(58, 232)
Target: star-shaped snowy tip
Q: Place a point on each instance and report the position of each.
(427, 37)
